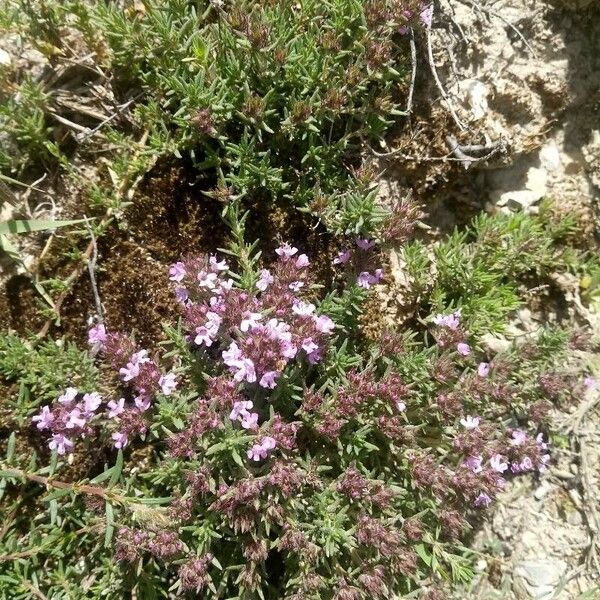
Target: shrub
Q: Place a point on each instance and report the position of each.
(277, 453)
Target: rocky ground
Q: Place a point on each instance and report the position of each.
(522, 86)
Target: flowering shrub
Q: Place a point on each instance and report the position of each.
(293, 463)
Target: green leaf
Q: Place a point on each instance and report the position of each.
(10, 450)
(118, 468)
(420, 550)
(110, 525)
(24, 226)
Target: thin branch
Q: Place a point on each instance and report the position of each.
(438, 83)
(413, 76)
(91, 264)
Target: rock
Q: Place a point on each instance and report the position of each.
(538, 577)
(495, 344)
(574, 518)
(542, 491)
(5, 58)
(550, 157)
(477, 98)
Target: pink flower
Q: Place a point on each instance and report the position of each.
(519, 437)
(539, 440)
(470, 422)
(250, 420)
(296, 286)
(116, 408)
(181, 295)
(265, 280)
(250, 320)
(97, 335)
(75, 419)
(232, 355)
(68, 396)
(129, 372)
(498, 464)
(207, 280)
(177, 272)
(401, 406)
(286, 251)
(217, 266)
(324, 324)
(44, 419)
(364, 244)
(303, 309)
(60, 443)
(302, 261)
(120, 439)
(483, 500)
(240, 408)
(142, 402)
(309, 346)
(244, 370)
(483, 369)
(364, 280)
(342, 258)
(168, 383)
(463, 349)
(426, 15)
(474, 463)
(91, 402)
(260, 451)
(269, 379)
(450, 321)
(203, 336)
(590, 383)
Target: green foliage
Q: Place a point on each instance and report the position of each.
(43, 370)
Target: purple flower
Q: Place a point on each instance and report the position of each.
(342, 258)
(497, 463)
(324, 324)
(302, 261)
(364, 280)
(590, 382)
(75, 419)
(142, 402)
(116, 408)
(401, 406)
(309, 346)
(44, 418)
(203, 336)
(91, 402)
(296, 286)
(450, 321)
(250, 320)
(463, 349)
(60, 443)
(240, 408)
(483, 369)
(207, 280)
(519, 437)
(232, 355)
(364, 244)
(120, 439)
(177, 272)
(68, 396)
(303, 309)
(168, 383)
(483, 500)
(97, 335)
(539, 440)
(250, 420)
(217, 266)
(265, 280)
(129, 372)
(244, 370)
(181, 295)
(426, 15)
(470, 422)
(260, 451)
(269, 379)
(474, 463)
(286, 251)
(526, 464)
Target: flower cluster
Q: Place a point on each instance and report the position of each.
(361, 258)
(69, 419)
